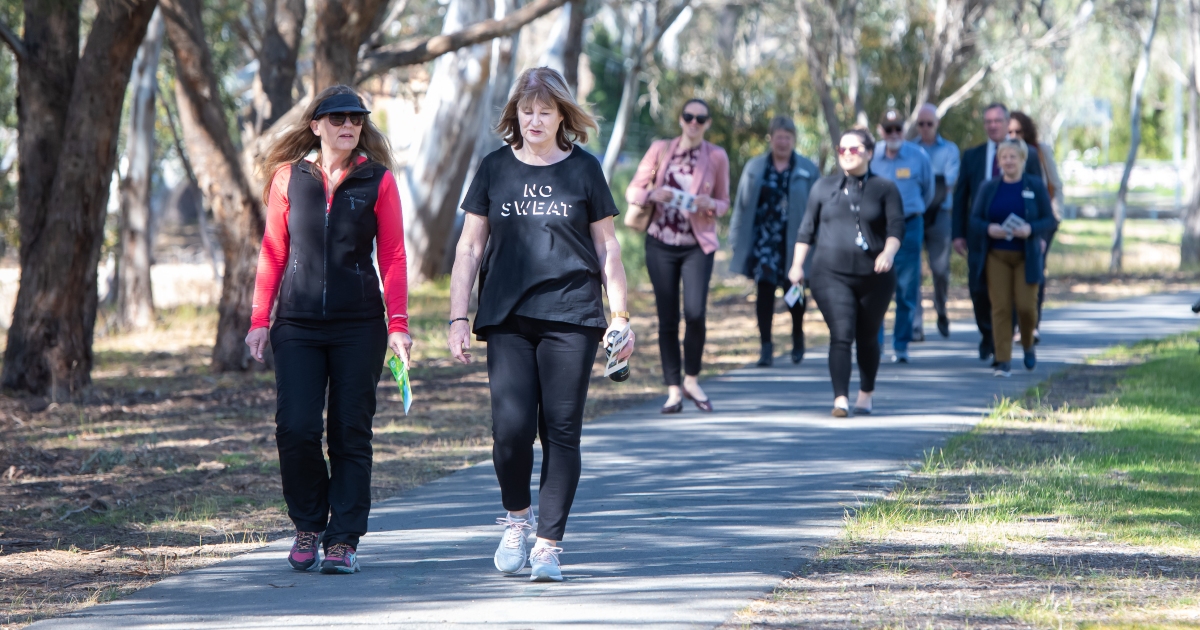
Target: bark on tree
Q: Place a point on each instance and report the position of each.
(452, 117)
(68, 150)
(277, 55)
(574, 44)
(222, 179)
(342, 27)
(1189, 251)
(135, 297)
(1135, 138)
(816, 59)
(655, 21)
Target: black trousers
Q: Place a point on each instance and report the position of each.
(667, 265)
(1042, 286)
(765, 310)
(344, 358)
(982, 305)
(538, 372)
(854, 307)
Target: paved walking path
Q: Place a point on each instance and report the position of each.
(680, 520)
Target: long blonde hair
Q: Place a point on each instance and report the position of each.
(546, 86)
(299, 140)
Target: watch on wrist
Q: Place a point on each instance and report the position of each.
(622, 314)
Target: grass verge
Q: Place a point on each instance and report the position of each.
(1077, 506)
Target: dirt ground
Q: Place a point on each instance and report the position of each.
(163, 466)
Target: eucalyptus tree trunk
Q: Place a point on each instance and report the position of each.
(1135, 139)
(69, 114)
(1189, 252)
(452, 117)
(135, 298)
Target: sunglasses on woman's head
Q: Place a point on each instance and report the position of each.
(337, 120)
(703, 118)
(856, 150)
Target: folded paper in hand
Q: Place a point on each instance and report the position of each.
(400, 373)
(1010, 225)
(793, 295)
(682, 201)
(614, 349)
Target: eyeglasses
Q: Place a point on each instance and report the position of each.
(337, 120)
(1017, 132)
(687, 118)
(893, 129)
(855, 150)
(925, 123)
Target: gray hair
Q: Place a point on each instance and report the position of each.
(1016, 144)
(996, 105)
(781, 123)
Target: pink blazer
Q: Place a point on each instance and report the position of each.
(711, 178)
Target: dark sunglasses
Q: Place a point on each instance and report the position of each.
(925, 123)
(687, 118)
(337, 120)
(852, 150)
(892, 129)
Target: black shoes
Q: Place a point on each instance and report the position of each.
(1030, 358)
(918, 336)
(766, 357)
(797, 350)
(944, 326)
(985, 350)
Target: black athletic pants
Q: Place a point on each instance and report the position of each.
(765, 309)
(667, 265)
(344, 358)
(853, 307)
(538, 372)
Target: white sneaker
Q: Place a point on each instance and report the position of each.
(514, 548)
(544, 561)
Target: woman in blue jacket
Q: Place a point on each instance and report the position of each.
(1008, 215)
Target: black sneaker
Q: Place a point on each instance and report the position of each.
(1030, 359)
(944, 326)
(1003, 370)
(766, 357)
(985, 351)
(797, 350)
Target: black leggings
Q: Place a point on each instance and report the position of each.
(345, 357)
(854, 308)
(667, 265)
(765, 309)
(538, 372)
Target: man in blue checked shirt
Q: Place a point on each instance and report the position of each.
(944, 157)
(906, 164)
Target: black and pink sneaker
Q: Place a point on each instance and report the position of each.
(305, 550)
(340, 558)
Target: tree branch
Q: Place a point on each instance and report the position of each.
(430, 48)
(14, 43)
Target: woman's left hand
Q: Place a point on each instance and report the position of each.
(1025, 231)
(883, 262)
(706, 205)
(616, 325)
(400, 343)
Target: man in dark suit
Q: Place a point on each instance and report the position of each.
(979, 165)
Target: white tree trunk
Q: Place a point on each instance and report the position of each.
(452, 119)
(1189, 254)
(135, 302)
(1135, 138)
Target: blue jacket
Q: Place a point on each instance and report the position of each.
(1037, 213)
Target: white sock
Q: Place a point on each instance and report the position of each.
(520, 518)
(542, 543)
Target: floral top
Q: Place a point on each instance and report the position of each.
(672, 226)
(767, 258)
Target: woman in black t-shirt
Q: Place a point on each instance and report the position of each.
(853, 226)
(547, 209)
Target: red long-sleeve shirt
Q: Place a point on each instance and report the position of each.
(389, 241)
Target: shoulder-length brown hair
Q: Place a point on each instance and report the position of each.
(546, 86)
(297, 141)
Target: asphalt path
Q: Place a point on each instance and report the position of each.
(680, 520)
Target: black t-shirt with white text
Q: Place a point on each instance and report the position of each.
(540, 260)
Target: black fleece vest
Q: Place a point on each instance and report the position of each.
(330, 274)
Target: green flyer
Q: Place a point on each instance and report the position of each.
(400, 372)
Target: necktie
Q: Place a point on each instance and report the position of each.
(995, 167)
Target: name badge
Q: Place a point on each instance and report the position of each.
(802, 172)
(1028, 194)
(903, 173)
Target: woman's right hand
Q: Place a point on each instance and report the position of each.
(661, 195)
(796, 274)
(460, 341)
(995, 231)
(257, 340)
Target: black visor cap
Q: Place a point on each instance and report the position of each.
(340, 104)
